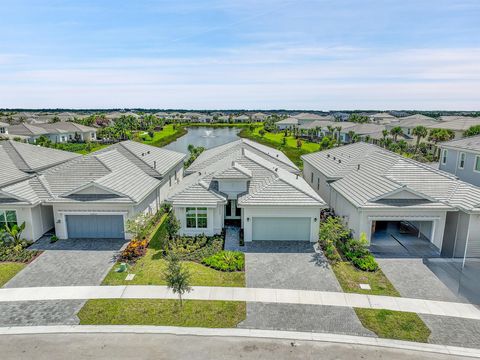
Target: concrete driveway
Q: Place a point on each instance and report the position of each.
(66, 262)
(294, 265)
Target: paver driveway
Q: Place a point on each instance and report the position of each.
(294, 265)
(412, 278)
(66, 262)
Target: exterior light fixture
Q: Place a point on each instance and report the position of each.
(248, 219)
(315, 219)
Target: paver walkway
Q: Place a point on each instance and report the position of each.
(277, 296)
(294, 265)
(66, 262)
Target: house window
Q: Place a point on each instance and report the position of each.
(2, 130)
(461, 162)
(8, 217)
(196, 218)
(444, 156)
(92, 135)
(477, 163)
(318, 183)
(311, 178)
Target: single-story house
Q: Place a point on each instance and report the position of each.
(372, 188)
(252, 186)
(408, 123)
(458, 124)
(382, 118)
(89, 196)
(58, 132)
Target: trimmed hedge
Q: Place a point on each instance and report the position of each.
(226, 261)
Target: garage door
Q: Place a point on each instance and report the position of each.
(281, 228)
(95, 226)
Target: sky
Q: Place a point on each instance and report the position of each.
(240, 54)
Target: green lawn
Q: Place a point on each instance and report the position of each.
(394, 324)
(350, 279)
(95, 148)
(149, 269)
(164, 137)
(9, 270)
(194, 313)
(385, 323)
(275, 141)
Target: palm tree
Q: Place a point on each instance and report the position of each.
(367, 138)
(351, 134)
(397, 130)
(331, 129)
(439, 135)
(402, 146)
(385, 134)
(420, 132)
(339, 130)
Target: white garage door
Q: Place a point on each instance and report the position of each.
(281, 228)
(95, 226)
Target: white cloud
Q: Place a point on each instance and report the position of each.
(267, 76)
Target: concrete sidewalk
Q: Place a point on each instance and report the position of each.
(281, 296)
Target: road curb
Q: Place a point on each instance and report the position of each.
(253, 333)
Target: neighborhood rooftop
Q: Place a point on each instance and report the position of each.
(469, 143)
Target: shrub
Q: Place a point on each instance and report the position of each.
(366, 263)
(226, 261)
(332, 234)
(53, 239)
(195, 248)
(15, 252)
(134, 250)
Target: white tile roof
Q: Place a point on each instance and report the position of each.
(153, 160)
(270, 183)
(234, 149)
(416, 120)
(367, 173)
(460, 123)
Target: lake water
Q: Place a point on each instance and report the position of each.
(207, 137)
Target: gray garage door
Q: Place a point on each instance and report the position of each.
(281, 228)
(95, 226)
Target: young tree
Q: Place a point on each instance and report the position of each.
(420, 132)
(299, 144)
(177, 277)
(138, 225)
(172, 226)
(439, 135)
(261, 132)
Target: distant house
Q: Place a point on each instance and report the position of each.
(59, 132)
(409, 123)
(89, 196)
(251, 185)
(458, 124)
(242, 119)
(462, 158)
(259, 116)
(382, 118)
(288, 123)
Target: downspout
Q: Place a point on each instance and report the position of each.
(466, 243)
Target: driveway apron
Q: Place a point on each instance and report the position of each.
(66, 262)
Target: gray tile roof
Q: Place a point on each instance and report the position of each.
(2, 124)
(237, 171)
(10, 172)
(460, 123)
(25, 129)
(120, 171)
(32, 158)
(416, 120)
(469, 143)
(288, 121)
(234, 149)
(65, 127)
(368, 175)
(270, 184)
(152, 160)
(308, 116)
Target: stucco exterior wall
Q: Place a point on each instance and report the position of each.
(250, 212)
(38, 219)
(473, 246)
(215, 217)
(319, 183)
(468, 173)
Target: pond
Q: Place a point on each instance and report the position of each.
(207, 137)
